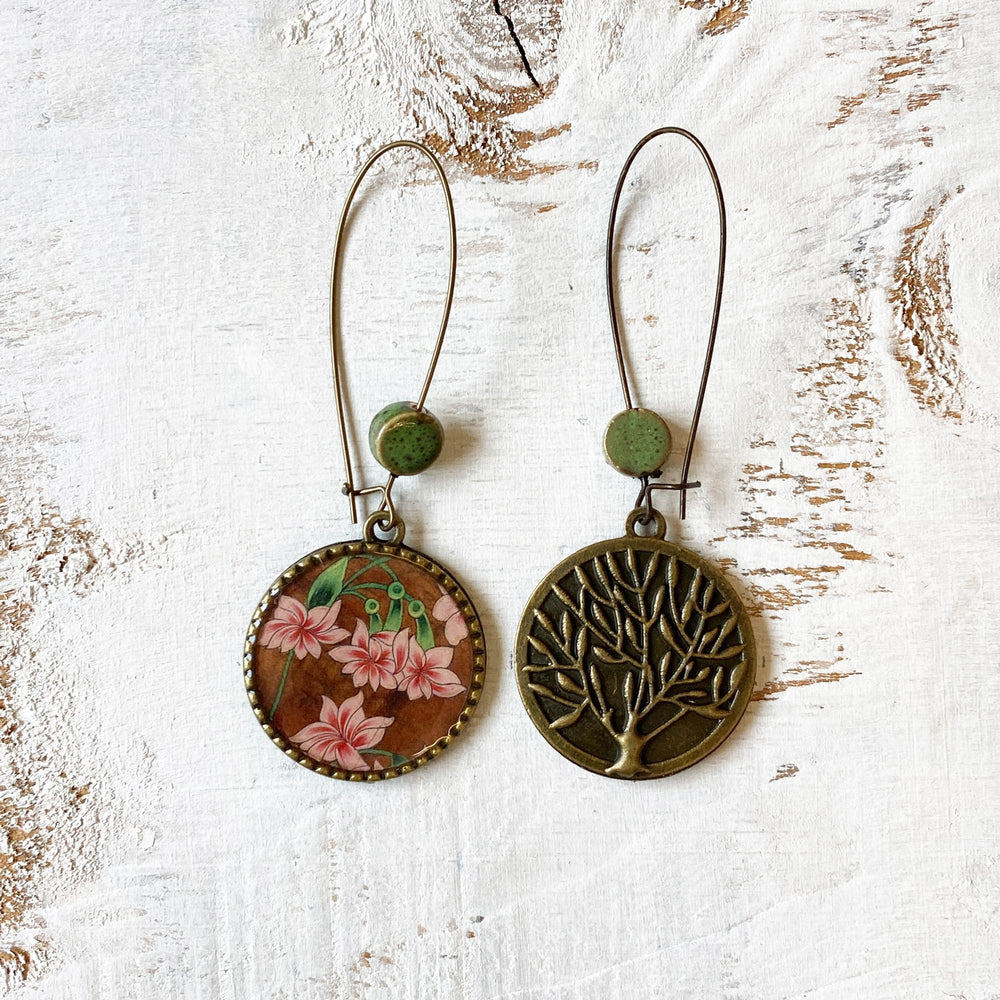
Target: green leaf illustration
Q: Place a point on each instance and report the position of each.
(395, 759)
(327, 586)
(394, 619)
(373, 610)
(425, 634)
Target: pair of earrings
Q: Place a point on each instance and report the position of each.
(634, 657)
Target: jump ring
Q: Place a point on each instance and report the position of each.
(384, 521)
(637, 517)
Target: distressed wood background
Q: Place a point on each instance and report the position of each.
(170, 178)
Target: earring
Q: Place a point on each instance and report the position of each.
(365, 658)
(635, 657)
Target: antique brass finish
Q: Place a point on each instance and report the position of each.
(685, 482)
(349, 489)
(365, 659)
(635, 658)
(442, 581)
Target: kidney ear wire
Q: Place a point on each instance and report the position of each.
(385, 517)
(646, 474)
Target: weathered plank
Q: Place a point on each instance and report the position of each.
(171, 181)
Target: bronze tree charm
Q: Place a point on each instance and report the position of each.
(635, 658)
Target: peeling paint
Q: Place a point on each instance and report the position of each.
(812, 396)
(724, 14)
(785, 771)
(813, 495)
(49, 830)
(898, 77)
(810, 676)
(927, 343)
(459, 74)
(805, 673)
(830, 465)
(796, 585)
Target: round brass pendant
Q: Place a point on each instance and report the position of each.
(364, 660)
(635, 658)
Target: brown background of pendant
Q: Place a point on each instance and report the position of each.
(550, 623)
(428, 725)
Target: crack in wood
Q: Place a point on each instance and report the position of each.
(457, 79)
(512, 31)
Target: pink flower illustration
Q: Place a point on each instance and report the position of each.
(341, 733)
(426, 675)
(374, 659)
(446, 610)
(294, 628)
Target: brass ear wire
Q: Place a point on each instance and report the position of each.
(635, 656)
(645, 495)
(385, 517)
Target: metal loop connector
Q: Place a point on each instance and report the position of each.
(638, 517)
(387, 522)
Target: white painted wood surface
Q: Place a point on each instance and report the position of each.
(171, 178)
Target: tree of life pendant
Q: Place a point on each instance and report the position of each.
(635, 657)
(364, 660)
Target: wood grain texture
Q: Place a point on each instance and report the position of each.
(172, 177)
(724, 15)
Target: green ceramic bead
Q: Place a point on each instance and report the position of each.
(637, 442)
(405, 440)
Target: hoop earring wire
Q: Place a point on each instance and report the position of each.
(385, 517)
(684, 485)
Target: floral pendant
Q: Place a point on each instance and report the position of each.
(364, 660)
(635, 657)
